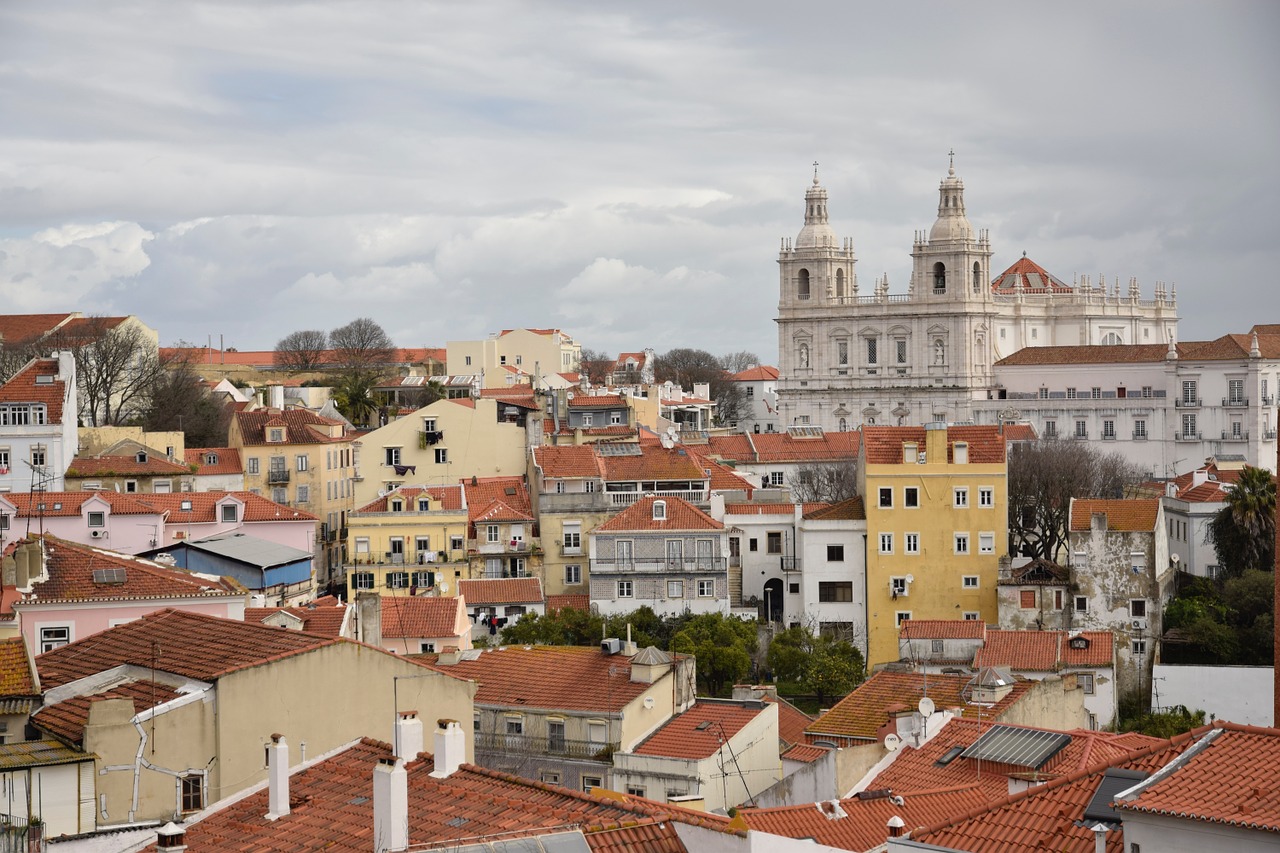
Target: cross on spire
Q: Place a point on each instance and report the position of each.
(951, 167)
(815, 173)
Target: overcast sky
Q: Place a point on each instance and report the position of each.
(622, 171)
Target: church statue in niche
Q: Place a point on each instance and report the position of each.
(939, 352)
(804, 355)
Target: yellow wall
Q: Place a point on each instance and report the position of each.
(380, 527)
(524, 350)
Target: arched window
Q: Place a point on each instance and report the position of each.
(802, 289)
(659, 510)
(939, 278)
(840, 284)
(1111, 339)
(977, 277)
(803, 353)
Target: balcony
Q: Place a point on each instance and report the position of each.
(1080, 435)
(1188, 436)
(277, 476)
(1268, 399)
(1235, 436)
(1235, 402)
(625, 499)
(503, 546)
(1186, 403)
(1269, 434)
(1139, 436)
(544, 745)
(1108, 436)
(789, 564)
(659, 565)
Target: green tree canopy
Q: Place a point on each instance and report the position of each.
(821, 665)
(723, 645)
(1243, 533)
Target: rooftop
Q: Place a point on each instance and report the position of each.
(485, 591)
(66, 720)
(324, 616)
(420, 617)
(700, 731)
(24, 387)
(1124, 515)
(213, 461)
(1046, 651)
(883, 444)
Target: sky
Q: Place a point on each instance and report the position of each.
(235, 171)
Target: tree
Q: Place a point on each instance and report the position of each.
(117, 364)
(595, 365)
(353, 395)
(829, 482)
(301, 352)
(567, 626)
(723, 646)
(361, 345)
(178, 399)
(1243, 533)
(736, 362)
(822, 664)
(684, 367)
(1043, 478)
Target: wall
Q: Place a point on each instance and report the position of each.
(1241, 694)
(803, 783)
(1054, 703)
(1174, 835)
(90, 617)
(62, 795)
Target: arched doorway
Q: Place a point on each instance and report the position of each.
(773, 599)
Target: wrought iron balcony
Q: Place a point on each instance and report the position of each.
(1139, 436)
(1188, 436)
(1186, 403)
(1234, 436)
(277, 475)
(789, 564)
(656, 565)
(544, 745)
(1235, 402)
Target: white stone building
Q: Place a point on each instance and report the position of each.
(38, 435)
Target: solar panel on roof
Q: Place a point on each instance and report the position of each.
(1021, 747)
(1115, 780)
(116, 575)
(618, 449)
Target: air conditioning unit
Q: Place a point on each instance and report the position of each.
(1140, 624)
(97, 534)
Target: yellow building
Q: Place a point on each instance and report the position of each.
(300, 459)
(513, 356)
(937, 524)
(412, 538)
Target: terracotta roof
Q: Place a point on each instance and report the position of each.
(509, 493)
(759, 373)
(23, 328)
(471, 803)
(765, 508)
(324, 616)
(66, 720)
(850, 509)
(1028, 277)
(680, 515)
(791, 721)
(1019, 432)
(598, 401)
(446, 498)
(23, 388)
(420, 617)
(17, 678)
(124, 465)
(1128, 515)
(190, 644)
(574, 602)
(856, 823)
(301, 427)
(570, 678)
(204, 507)
(785, 447)
(501, 591)
(700, 731)
(267, 358)
(228, 460)
(76, 574)
(805, 753)
(1044, 651)
(654, 462)
(723, 478)
(942, 629)
(883, 444)
(567, 462)
(1038, 571)
(865, 710)
(735, 448)
(1226, 348)
(68, 504)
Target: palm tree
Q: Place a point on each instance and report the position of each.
(1243, 533)
(353, 395)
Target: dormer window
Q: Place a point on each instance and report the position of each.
(276, 434)
(228, 513)
(211, 459)
(185, 506)
(141, 457)
(659, 510)
(960, 452)
(424, 504)
(1079, 643)
(397, 506)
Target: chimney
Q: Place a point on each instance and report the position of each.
(277, 778)
(369, 616)
(935, 443)
(390, 806)
(409, 740)
(450, 748)
(629, 649)
(171, 838)
(895, 825)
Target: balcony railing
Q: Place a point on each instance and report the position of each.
(1079, 435)
(1234, 436)
(1188, 436)
(1268, 399)
(277, 475)
(789, 564)
(503, 546)
(1139, 436)
(544, 745)
(1186, 403)
(658, 565)
(621, 499)
(1269, 434)
(1235, 402)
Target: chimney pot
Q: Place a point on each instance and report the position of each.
(450, 748)
(277, 778)
(390, 806)
(409, 737)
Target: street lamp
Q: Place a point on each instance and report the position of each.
(768, 605)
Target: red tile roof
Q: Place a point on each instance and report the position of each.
(723, 478)
(574, 602)
(198, 356)
(17, 677)
(785, 447)
(883, 444)
(701, 731)
(204, 507)
(446, 498)
(862, 713)
(501, 591)
(324, 616)
(23, 328)
(1128, 515)
(598, 401)
(66, 720)
(68, 504)
(791, 721)
(301, 427)
(568, 462)
(332, 810)
(850, 509)
(680, 515)
(1226, 348)
(570, 678)
(23, 388)
(420, 617)
(124, 465)
(759, 373)
(184, 643)
(805, 753)
(228, 460)
(1028, 277)
(654, 463)
(1044, 651)
(509, 493)
(942, 629)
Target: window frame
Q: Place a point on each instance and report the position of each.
(572, 574)
(960, 544)
(885, 497)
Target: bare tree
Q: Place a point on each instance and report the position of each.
(301, 352)
(736, 362)
(116, 366)
(685, 366)
(361, 345)
(179, 399)
(1043, 478)
(14, 355)
(829, 482)
(596, 365)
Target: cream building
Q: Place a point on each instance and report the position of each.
(514, 356)
(848, 358)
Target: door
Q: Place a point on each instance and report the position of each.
(705, 554)
(623, 553)
(675, 553)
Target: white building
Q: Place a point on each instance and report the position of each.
(759, 386)
(38, 435)
(927, 354)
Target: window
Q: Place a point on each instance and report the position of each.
(1071, 393)
(659, 510)
(1044, 393)
(969, 582)
(911, 543)
(228, 513)
(624, 589)
(886, 543)
(986, 543)
(52, 638)
(1085, 680)
(280, 495)
(775, 478)
(962, 543)
(835, 591)
(1095, 393)
(706, 589)
(872, 350)
(1138, 647)
(555, 738)
(901, 347)
(898, 586)
(901, 616)
(937, 647)
(392, 455)
(615, 418)
(97, 519)
(573, 574)
(251, 466)
(548, 777)
(675, 589)
(38, 456)
(1082, 429)
(794, 589)
(1082, 604)
(424, 580)
(192, 792)
(1109, 429)
(588, 419)
(886, 498)
(774, 540)
(1027, 599)
(1188, 426)
(1050, 429)
(491, 533)
(362, 544)
(397, 580)
(1138, 608)
(635, 790)
(752, 545)
(972, 616)
(591, 486)
(1140, 429)
(572, 538)
(960, 498)
(589, 782)
(911, 497)
(835, 553)
(1189, 392)
(986, 497)
(302, 462)
(275, 435)
(362, 580)
(842, 352)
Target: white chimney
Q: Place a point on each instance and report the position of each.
(390, 806)
(451, 748)
(277, 778)
(409, 737)
(171, 838)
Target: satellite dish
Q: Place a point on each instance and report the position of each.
(892, 742)
(911, 578)
(1175, 559)
(926, 707)
(444, 587)
(569, 396)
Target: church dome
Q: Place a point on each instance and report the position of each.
(952, 224)
(816, 232)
